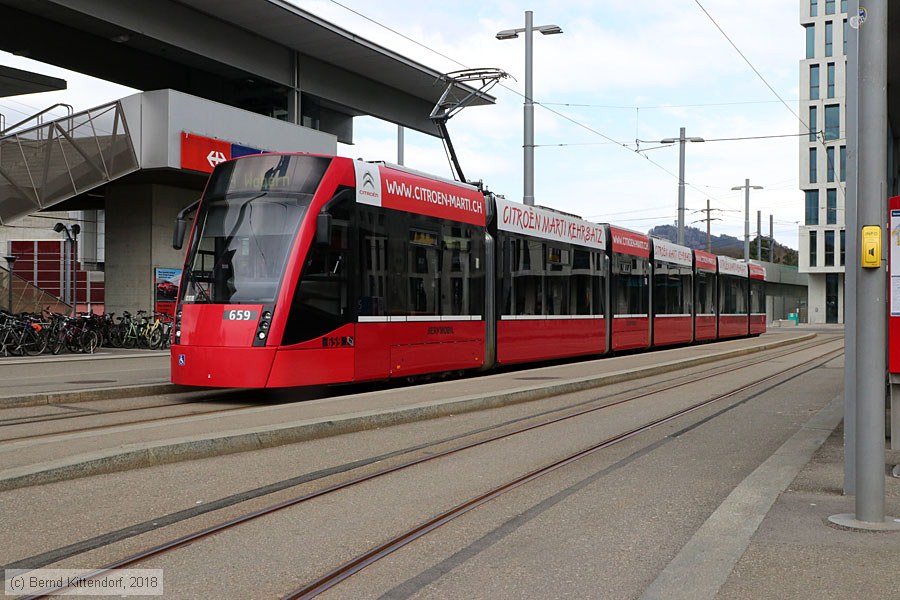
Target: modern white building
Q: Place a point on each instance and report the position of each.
(823, 156)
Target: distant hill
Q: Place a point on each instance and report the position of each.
(725, 245)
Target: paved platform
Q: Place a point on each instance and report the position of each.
(66, 456)
(770, 539)
(108, 373)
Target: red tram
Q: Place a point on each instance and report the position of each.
(305, 269)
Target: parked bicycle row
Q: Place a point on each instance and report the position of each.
(31, 334)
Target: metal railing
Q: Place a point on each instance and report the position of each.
(26, 297)
(50, 162)
(37, 117)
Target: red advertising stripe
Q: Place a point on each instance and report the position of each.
(757, 271)
(705, 261)
(416, 194)
(629, 242)
(200, 153)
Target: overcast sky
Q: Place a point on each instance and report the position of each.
(620, 72)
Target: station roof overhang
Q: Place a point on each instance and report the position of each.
(15, 82)
(286, 24)
(212, 47)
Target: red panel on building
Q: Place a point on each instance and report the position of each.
(200, 153)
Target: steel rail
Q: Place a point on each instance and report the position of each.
(83, 414)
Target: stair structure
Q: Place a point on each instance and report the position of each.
(27, 297)
(44, 164)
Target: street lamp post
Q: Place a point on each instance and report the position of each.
(747, 187)
(528, 143)
(9, 266)
(68, 264)
(681, 142)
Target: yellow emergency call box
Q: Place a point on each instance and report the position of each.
(871, 246)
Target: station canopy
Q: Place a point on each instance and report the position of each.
(15, 82)
(251, 54)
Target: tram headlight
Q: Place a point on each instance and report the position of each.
(261, 335)
(267, 315)
(264, 325)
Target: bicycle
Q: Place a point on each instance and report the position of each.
(79, 337)
(157, 331)
(130, 332)
(21, 335)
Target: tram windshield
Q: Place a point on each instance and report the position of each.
(246, 226)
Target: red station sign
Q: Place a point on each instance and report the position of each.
(200, 153)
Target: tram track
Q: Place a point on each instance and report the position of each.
(546, 418)
(84, 412)
(18, 422)
(243, 398)
(373, 555)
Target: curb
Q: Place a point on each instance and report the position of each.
(88, 395)
(135, 456)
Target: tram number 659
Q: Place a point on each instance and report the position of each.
(239, 315)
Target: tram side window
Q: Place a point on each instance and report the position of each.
(424, 282)
(321, 300)
(526, 272)
(727, 296)
(687, 286)
(432, 267)
(600, 283)
(398, 271)
(462, 270)
(671, 289)
(743, 297)
(757, 297)
(734, 296)
(666, 286)
(587, 283)
(549, 278)
(373, 261)
(559, 270)
(509, 256)
(631, 283)
(706, 293)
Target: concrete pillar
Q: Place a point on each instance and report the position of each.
(138, 239)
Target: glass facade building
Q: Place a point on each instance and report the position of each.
(822, 154)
